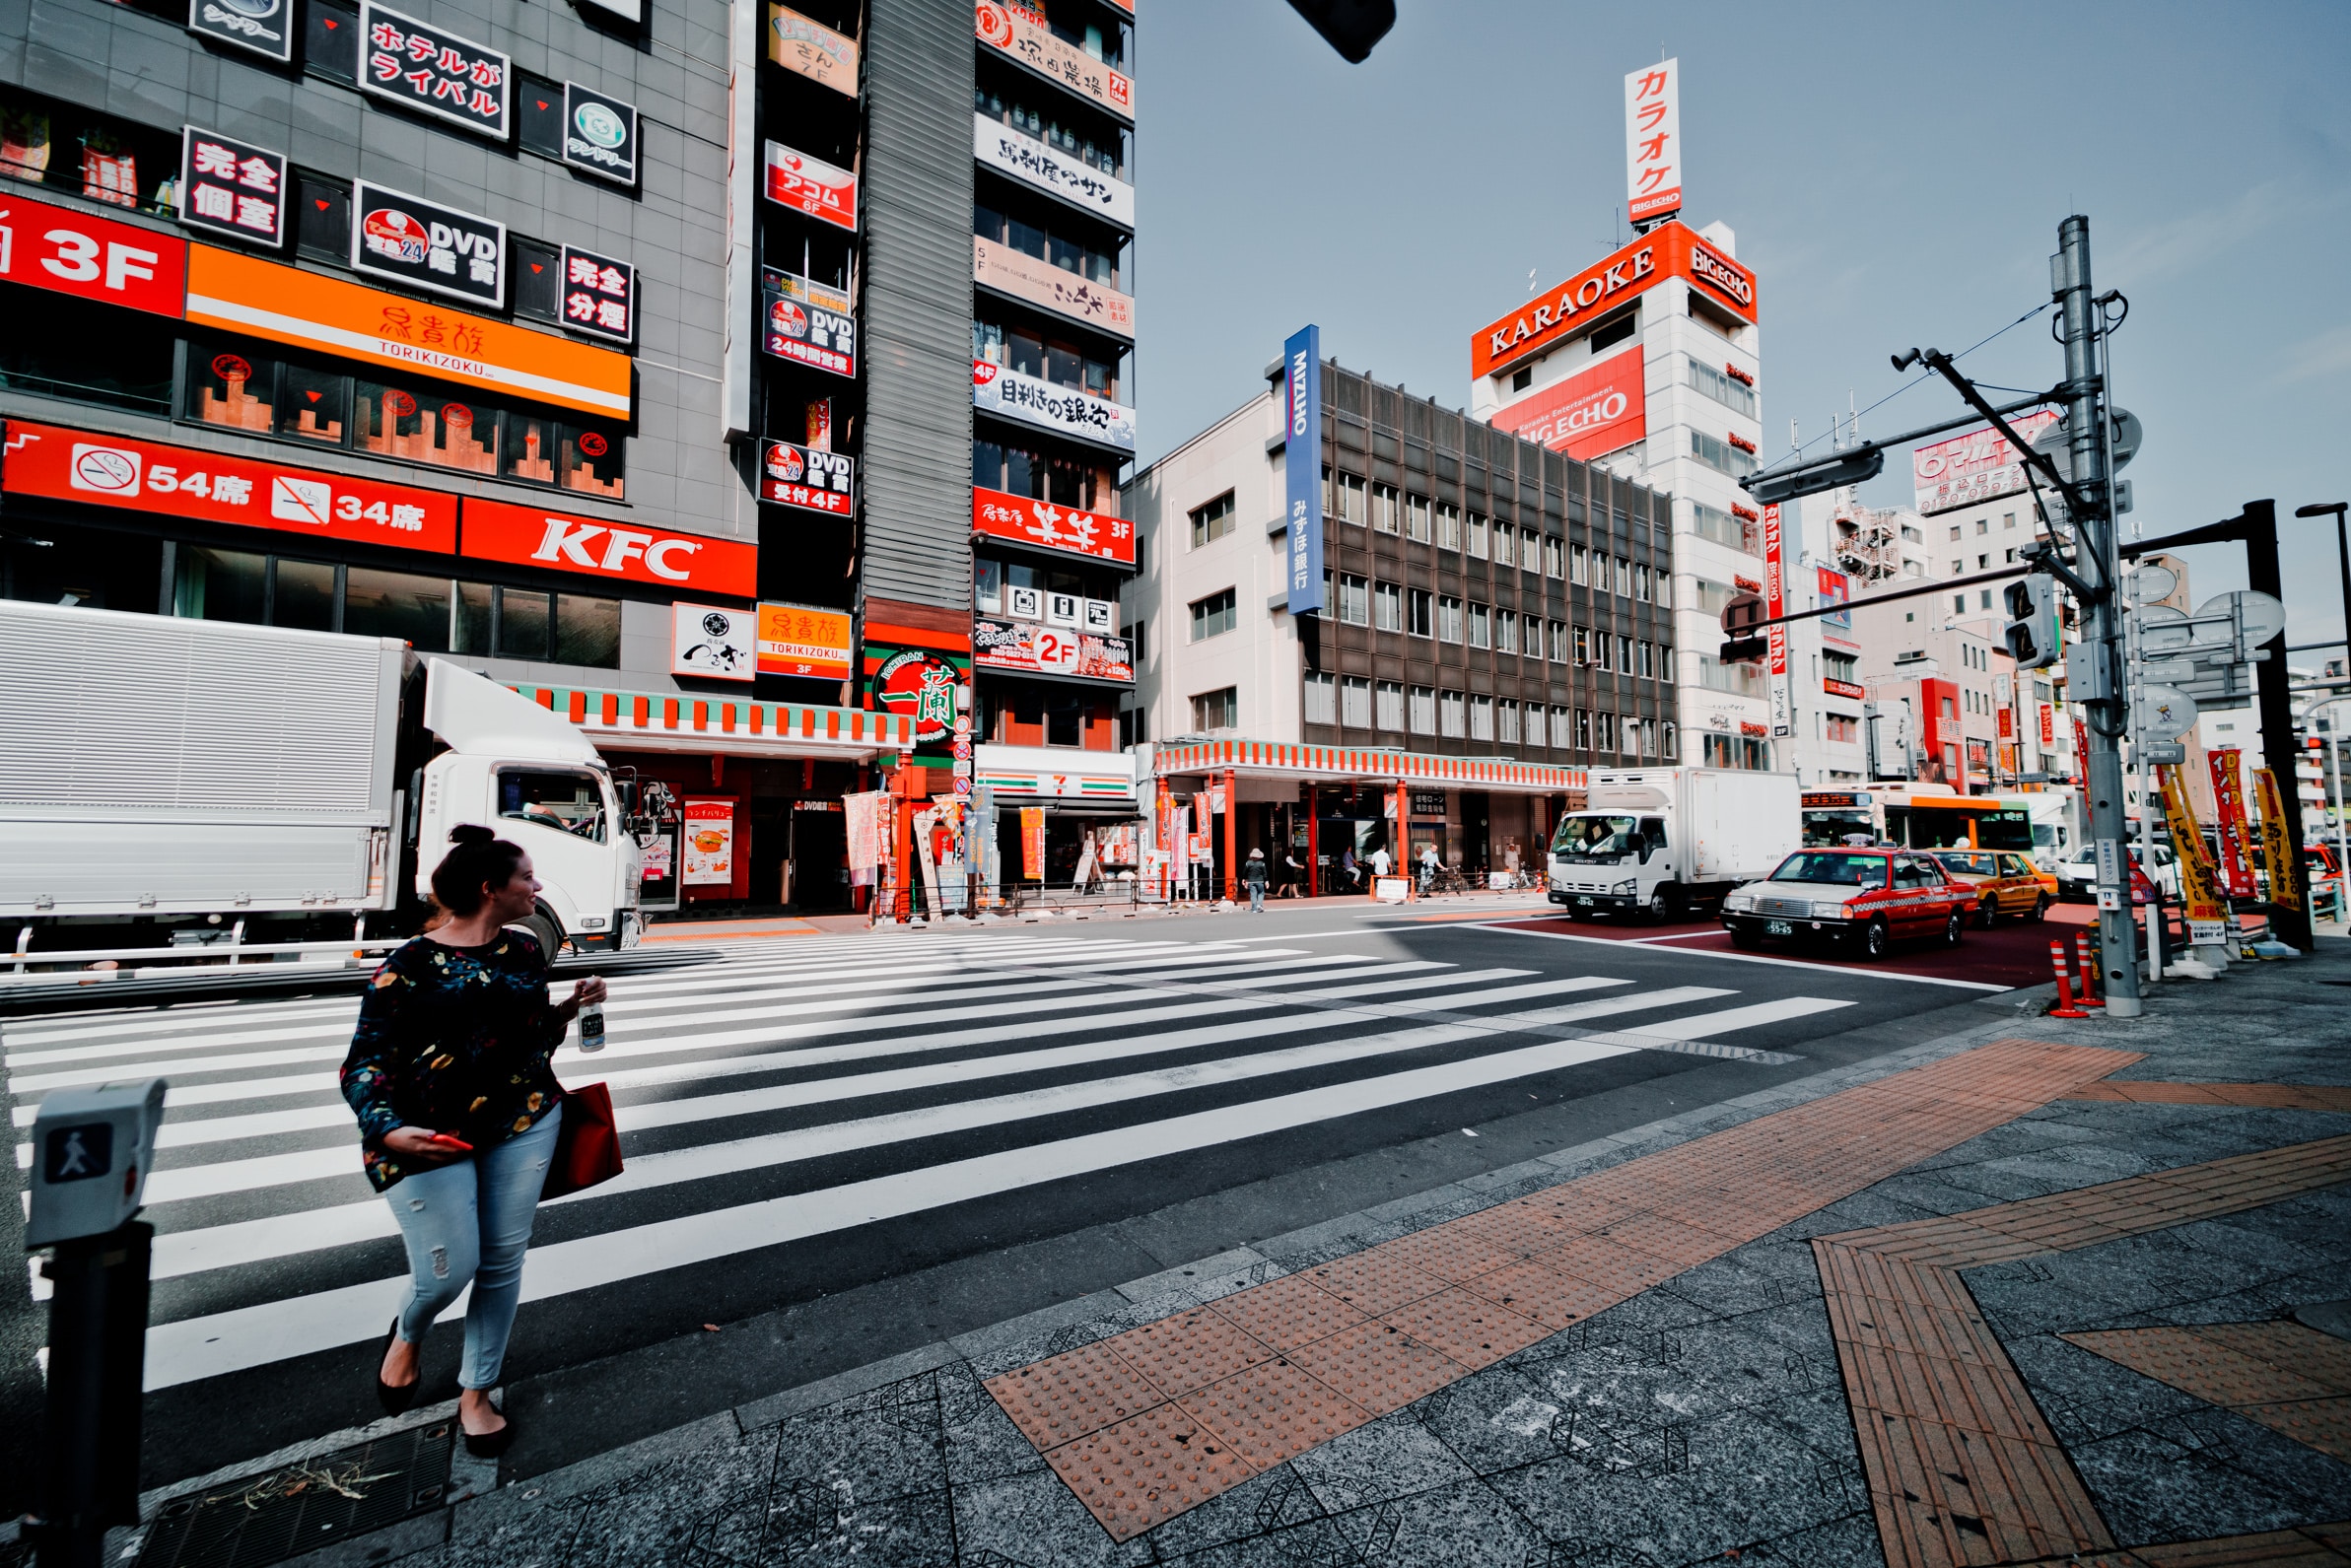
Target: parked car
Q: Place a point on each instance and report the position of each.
(2077, 873)
(1864, 898)
(2005, 883)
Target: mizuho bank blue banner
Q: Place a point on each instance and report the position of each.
(1302, 371)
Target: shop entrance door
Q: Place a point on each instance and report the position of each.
(1477, 832)
(819, 857)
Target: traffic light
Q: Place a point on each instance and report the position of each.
(1351, 27)
(1747, 643)
(1743, 650)
(2032, 631)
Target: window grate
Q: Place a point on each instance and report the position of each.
(325, 1501)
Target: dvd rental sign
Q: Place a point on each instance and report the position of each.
(791, 475)
(427, 246)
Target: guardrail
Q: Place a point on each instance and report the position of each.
(195, 956)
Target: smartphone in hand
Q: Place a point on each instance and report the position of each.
(442, 1139)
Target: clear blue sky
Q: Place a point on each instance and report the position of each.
(1896, 176)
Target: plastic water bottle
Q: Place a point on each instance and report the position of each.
(591, 1026)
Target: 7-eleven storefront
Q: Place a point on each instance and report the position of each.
(737, 805)
(1313, 808)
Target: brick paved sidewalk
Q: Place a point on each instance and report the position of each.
(2062, 1264)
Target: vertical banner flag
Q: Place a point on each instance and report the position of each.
(2235, 833)
(1653, 142)
(1302, 468)
(1032, 844)
(2285, 873)
(1775, 605)
(2207, 917)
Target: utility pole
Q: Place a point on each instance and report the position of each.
(2097, 561)
(2275, 704)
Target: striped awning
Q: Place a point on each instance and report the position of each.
(735, 726)
(1343, 764)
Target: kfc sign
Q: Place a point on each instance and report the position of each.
(1047, 527)
(95, 258)
(1592, 412)
(530, 536)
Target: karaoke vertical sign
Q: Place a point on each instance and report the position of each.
(1302, 468)
(1775, 605)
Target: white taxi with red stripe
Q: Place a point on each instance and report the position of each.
(1867, 898)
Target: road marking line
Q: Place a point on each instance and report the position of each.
(1762, 958)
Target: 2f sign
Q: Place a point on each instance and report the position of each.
(96, 259)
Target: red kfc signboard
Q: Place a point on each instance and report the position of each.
(1047, 527)
(74, 252)
(533, 536)
(100, 471)
(1592, 412)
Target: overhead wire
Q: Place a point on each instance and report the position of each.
(1926, 376)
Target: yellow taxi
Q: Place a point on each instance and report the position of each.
(2004, 883)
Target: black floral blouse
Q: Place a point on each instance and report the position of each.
(456, 1040)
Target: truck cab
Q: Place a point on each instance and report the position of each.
(1614, 862)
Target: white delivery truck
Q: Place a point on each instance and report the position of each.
(167, 781)
(1664, 841)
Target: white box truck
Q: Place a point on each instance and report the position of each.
(167, 781)
(1662, 842)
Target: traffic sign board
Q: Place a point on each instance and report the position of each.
(2163, 712)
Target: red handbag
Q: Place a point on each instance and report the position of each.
(586, 1144)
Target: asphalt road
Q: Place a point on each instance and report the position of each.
(843, 1148)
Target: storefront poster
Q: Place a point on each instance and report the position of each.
(233, 188)
(709, 844)
(1022, 520)
(265, 27)
(435, 72)
(1066, 409)
(813, 51)
(653, 856)
(427, 246)
(1051, 651)
(68, 251)
(1023, 35)
(313, 310)
(808, 324)
(999, 147)
(713, 642)
(63, 464)
(811, 186)
(2236, 832)
(799, 639)
(599, 133)
(533, 536)
(1057, 289)
(791, 475)
(599, 296)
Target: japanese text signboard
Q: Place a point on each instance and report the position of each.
(1302, 469)
(1046, 526)
(714, 641)
(599, 296)
(1653, 142)
(1775, 605)
(807, 323)
(232, 188)
(1034, 649)
(2206, 915)
(90, 257)
(799, 639)
(812, 49)
(555, 541)
(1979, 465)
(791, 475)
(427, 246)
(2235, 830)
(1056, 288)
(599, 133)
(310, 310)
(100, 470)
(1023, 35)
(435, 72)
(265, 27)
(813, 186)
(1057, 174)
(1591, 412)
(2287, 875)
(1035, 401)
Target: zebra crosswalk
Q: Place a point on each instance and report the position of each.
(790, 1090)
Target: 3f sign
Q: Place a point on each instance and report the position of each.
(76, 260)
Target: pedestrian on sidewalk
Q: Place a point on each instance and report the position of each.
(1254, 873)
(459, 1112)
(1379, 865)
(1294, 884)
(1347, 868)
(1428, 867)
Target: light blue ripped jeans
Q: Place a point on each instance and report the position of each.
(469, 1222)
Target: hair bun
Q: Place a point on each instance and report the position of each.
(472, 833)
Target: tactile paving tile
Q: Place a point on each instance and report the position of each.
(1665, 1236)
(1618, 1270)
(2264, 1095)
(2296, 1347)
(1372, 1282)
(1377, 1366)
(1188, 1350)
(1068, 1395)
(2323, 1424)
(1146, 1470)
(1272, 1413)
(1286, 1313)
(1553, 1300)
(1452, 1252)
(1467, 1328)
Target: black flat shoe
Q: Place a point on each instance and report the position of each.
(489, 1445)
(395, 1399)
